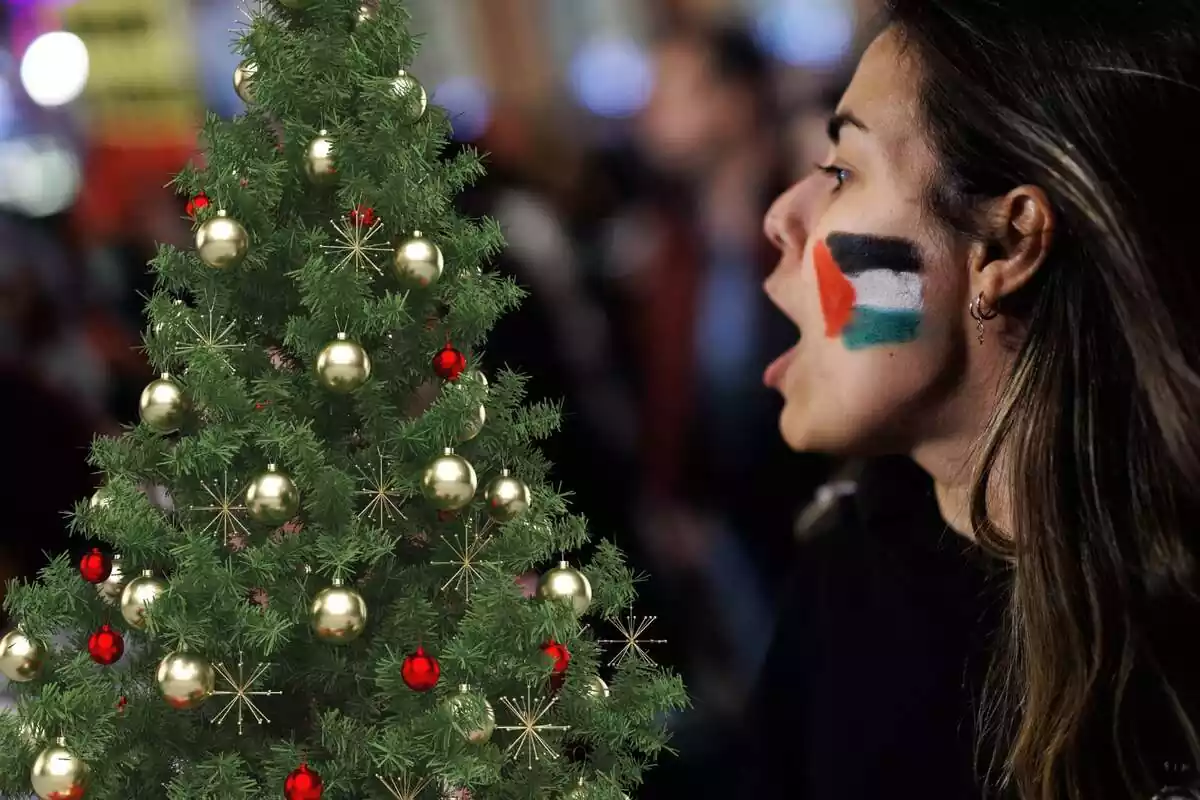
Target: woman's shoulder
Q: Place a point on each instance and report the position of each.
(878, 644)
(886, 504)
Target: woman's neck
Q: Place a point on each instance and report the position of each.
(952, 465)
(952, 454)
(954, 503)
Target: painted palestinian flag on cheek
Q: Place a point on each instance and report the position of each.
(870, 289)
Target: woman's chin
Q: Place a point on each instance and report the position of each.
(796, 429)
(804, 432)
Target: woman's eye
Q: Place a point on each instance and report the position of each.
(839, 174)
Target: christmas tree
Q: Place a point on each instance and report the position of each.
(307, 584)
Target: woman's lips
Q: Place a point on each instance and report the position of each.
(774, 373)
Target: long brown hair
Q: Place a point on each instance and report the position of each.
(1098, 103)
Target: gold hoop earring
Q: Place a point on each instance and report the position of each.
(981, 314)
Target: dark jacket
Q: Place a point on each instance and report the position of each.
(873, 683)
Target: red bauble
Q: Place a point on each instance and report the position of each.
(95, 567)
(195, 204)
(106, 646)
(420, 671)
(560, 655)
(303, 784)
(121, 703)
(363, 216)
(449, 363)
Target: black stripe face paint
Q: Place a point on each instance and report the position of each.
(857, 252)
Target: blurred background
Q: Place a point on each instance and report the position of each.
(634, 147)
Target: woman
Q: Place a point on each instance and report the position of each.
(994, 273)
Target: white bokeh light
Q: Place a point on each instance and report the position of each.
(41, 176)
(54, 69)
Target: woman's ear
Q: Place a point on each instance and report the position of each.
(1020, 231)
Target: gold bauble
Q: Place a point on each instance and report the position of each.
(58, 774)
(343, 365)
(137, 596)
(111, 588)
(185, 680)
(163, 404)
(584, 792)
(272, 498)
(413, 95)
(473, 424)
(564, 582)
(243, 80)
(159, 327)
(418, 261)
(222, 242)
(21, 658)
(32, 733)
(367, 11)
(464, 708)
(449, 482)
(99, 499)
(597, 689)
(338, 614)
(318, 159)
(507, 497)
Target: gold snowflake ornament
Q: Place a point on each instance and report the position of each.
(466, 552)
(633, 630)
(212, 335)
(224, 511)
(529, 728)
(354, 245)
(241, 693)
(385, 498)
(250, 11)
(403, 788)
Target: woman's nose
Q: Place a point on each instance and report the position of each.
(784, 223)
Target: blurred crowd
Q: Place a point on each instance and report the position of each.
(644, 255)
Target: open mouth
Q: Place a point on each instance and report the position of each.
(773, 376)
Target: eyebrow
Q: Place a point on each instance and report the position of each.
(841, 120)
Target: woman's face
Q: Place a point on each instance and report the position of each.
(878, 289)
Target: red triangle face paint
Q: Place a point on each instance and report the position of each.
(835, 290)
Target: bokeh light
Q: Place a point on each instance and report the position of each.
(8, 109)
(807, 33)
(41, 176)
(612, 77)
(467, 104)
(54, 69)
